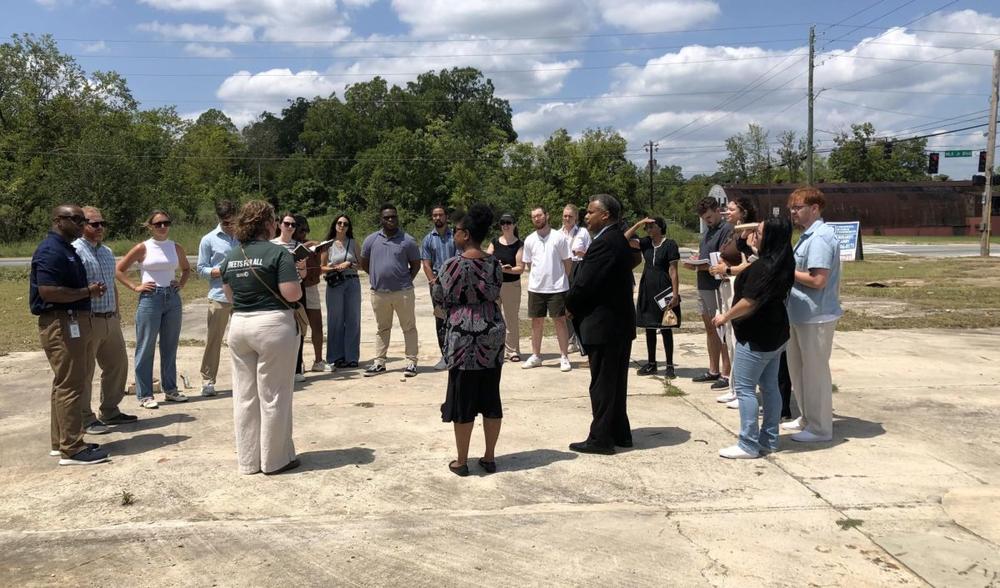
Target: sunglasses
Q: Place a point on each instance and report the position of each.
(77, 219)
(97, 224)
(161, 224)
(502, 223)
(289, 225)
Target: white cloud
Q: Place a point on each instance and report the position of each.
(307, 21)
(94, 47)
(246, 95)
(657, 15)
(53, 4)
(477, 18)
(212, 51)
(199, 32)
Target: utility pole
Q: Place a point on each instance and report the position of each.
(812, 97)
(651, 147)
(260, 186)
(991, 147)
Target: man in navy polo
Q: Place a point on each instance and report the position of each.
(438, 246)
(391, 259)
(60, 296)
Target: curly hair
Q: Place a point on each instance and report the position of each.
(252, 221)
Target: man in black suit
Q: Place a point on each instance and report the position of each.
(600, 302)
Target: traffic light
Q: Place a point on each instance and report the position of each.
(982, 161)
(887, 150)
(932, 163)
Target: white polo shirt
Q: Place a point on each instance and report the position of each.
(546, 256)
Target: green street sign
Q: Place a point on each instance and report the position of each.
(958, 153)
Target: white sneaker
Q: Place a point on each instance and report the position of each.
(793, 425)
(175, 396)
(300, 377)
(727, 397)
(320, 366)
(149, 402)
(736, 452)
(734, 403)
(573, 347)
(441, 365)
(208, 389)
(564, 365)
(55, 453)
(810, 437)
(532, 362)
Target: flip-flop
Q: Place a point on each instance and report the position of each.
(514, 358)
(489, 466)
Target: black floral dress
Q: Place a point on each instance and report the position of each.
(655, 279)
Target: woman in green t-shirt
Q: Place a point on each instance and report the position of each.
(261, 281)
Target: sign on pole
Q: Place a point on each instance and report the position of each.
(849, 235)
(959, 153)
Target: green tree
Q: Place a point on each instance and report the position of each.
(860, 157)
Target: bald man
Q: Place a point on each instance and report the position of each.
(59, 294)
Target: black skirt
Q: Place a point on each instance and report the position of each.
(472, 392)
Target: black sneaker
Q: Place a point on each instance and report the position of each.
(352, 364)
(121, 419)
(374, 370)
(96, 428)
(649, 368)
(669, 372)
(721, 384)
(706, 377)
(410, 370)
(88, 456)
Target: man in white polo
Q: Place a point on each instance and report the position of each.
(547, 257)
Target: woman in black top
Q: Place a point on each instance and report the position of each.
(760, 323)
(659, 279)
(508, 248)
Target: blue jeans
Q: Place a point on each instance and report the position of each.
(343, 321)
(750, 369)
(157, 316)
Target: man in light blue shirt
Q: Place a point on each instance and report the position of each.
(813, 311)
(211, 253)
(106, 330)
(437, 247)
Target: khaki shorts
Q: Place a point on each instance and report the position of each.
(708, 302)
(539, 303)
(311, 295)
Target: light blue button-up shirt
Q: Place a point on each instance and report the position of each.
(212, 252)
(99, 262)
(438, 249)
(818, 248)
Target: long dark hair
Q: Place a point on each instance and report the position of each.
(333, 227)
(749, 210)
(776, 257)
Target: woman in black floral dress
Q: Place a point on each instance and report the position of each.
(468, 288)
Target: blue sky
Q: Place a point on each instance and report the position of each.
(665, 70)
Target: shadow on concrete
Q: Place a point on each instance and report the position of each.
(688, 373)
(528, 460)
(142, 443)
(161, 420)
(331, 459)
(653, 437)
(855, 428)
(218, 394)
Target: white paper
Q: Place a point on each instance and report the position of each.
(715, 258)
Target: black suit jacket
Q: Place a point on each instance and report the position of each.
(600, 298)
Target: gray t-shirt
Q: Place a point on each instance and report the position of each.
(389, 260)
(711, 241)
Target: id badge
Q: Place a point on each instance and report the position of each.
(74, 328)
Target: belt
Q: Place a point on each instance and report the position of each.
(104, 314)
(66, 312)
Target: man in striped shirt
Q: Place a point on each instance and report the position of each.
(108, 341)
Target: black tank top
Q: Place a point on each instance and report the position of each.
(507, 256)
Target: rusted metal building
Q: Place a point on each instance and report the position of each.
(885, 208)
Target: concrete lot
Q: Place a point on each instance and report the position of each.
(907, 494)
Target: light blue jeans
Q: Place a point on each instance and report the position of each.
(343, 321)
(750, 369)
(157, 316)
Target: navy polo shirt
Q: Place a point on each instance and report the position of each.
(56, 263)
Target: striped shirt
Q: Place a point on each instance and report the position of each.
(99, 262)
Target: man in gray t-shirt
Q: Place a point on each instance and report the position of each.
(716, 233)
(392, 259)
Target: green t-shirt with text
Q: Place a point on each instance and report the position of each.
(273, 264)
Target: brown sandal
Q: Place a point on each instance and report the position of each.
(514, 358)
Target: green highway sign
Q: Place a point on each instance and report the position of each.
(958, 153)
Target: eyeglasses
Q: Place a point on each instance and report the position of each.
(289, 225)
(76, 218)
(161, 224)
(97, 224)
(797, 207)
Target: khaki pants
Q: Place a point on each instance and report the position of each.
(70, 359)
(725, 303)
(510, 304)
(218, 318)
(808, 354)
(109, 349)
(263, 347)
(401, 302)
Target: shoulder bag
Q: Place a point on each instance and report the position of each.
(299, 311)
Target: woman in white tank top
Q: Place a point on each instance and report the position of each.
(158, 314)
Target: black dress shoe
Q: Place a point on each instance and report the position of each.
(706, 377)
(649, 368)
(287, 467)
(121, 419)
(588, 447)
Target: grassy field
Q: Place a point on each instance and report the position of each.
(929, 240)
